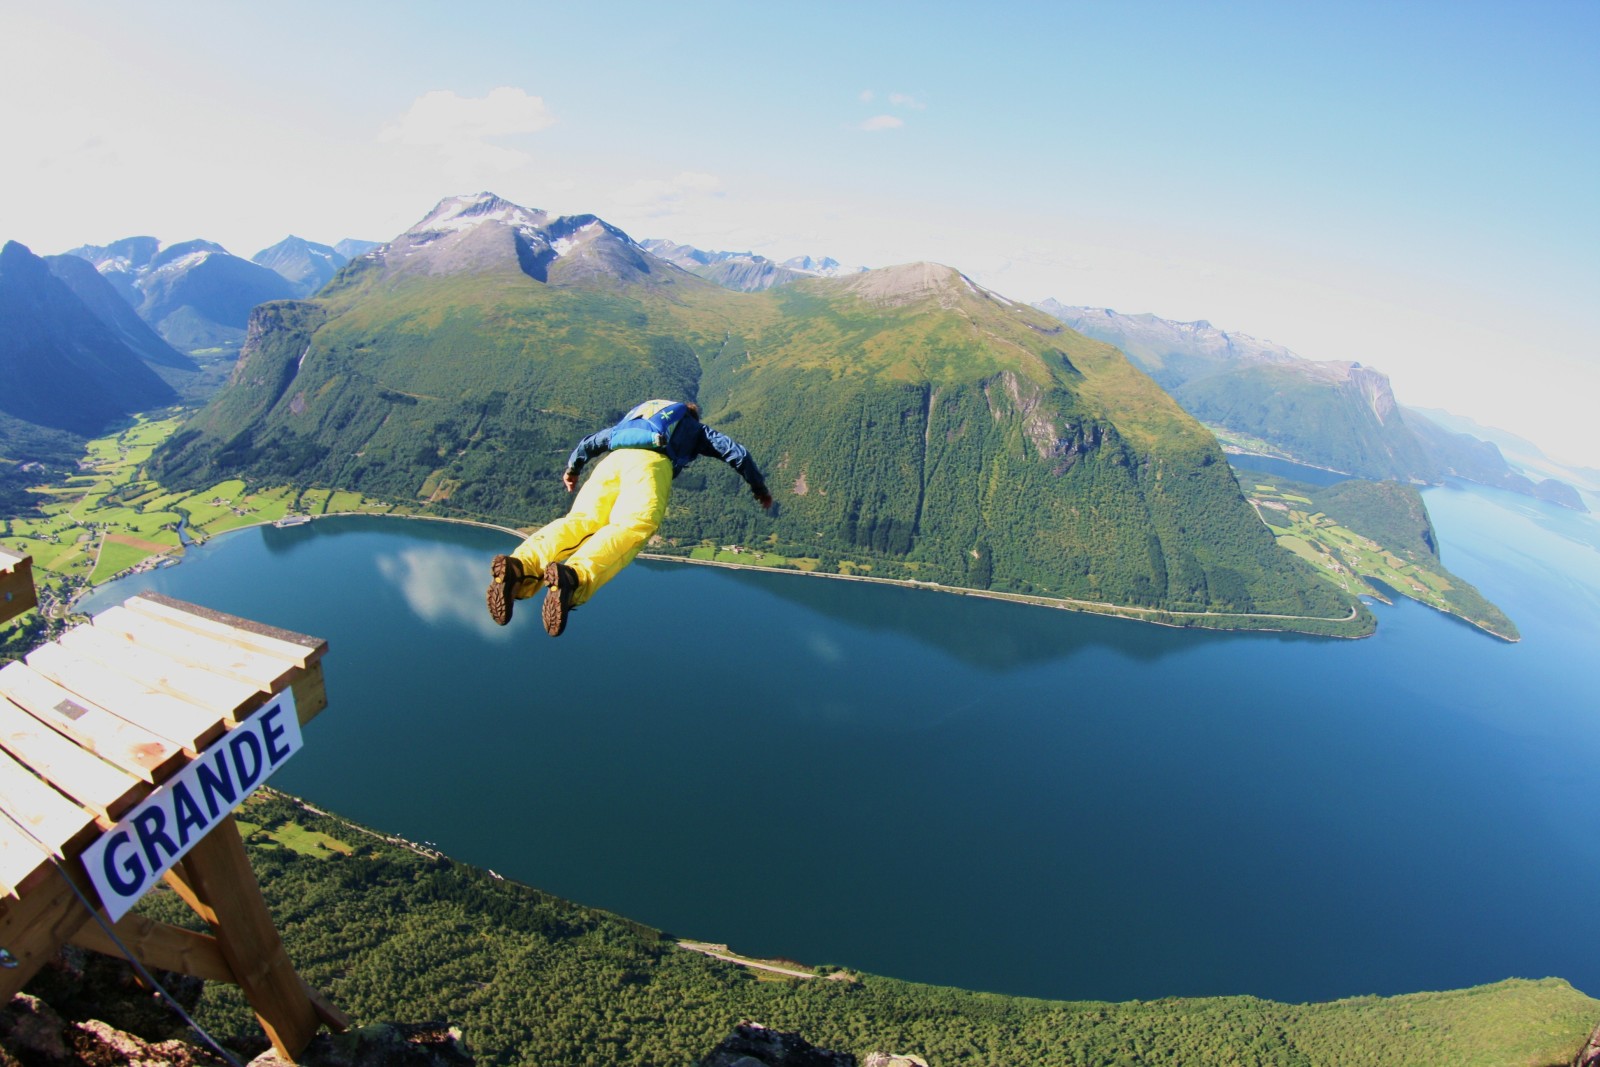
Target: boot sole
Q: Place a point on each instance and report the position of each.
(556, 606)
(499, 595)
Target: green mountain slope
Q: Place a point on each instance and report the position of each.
(907, 419)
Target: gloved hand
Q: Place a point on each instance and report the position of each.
(763, 498)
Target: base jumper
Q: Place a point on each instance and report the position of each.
(616, 512)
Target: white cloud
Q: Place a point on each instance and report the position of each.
(866, 96)
(907, 100)
(461, 139)
(653, 198)
(881, 122)
(441, 118)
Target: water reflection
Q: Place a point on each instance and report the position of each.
(442, 586)
(994, 635)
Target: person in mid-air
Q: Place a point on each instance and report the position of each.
(618, 510)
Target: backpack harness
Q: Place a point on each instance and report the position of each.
(649, 426)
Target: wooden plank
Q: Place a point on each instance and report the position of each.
(268, 673)
(331, 1016)
(218, 874)
(233, 698)
(34, 927)
(20, 858)
(190, 725)
(310, 694)
(138, 751)
(257, 637)
(88, 779)
(157, 944)
(52, 819)
(17, 593)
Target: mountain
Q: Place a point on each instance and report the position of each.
(745, 271)
(1264, 398)
(1464, 456)
(910, 422)
(100, 295)
(826, 267)
(350, 248)
(304, 264)
(121, 263)
(63, 368)
(195, 294)
(1523, 455)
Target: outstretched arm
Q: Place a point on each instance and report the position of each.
(594, 445)
(718, 444)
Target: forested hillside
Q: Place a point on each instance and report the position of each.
(908, 421)
(391, 933)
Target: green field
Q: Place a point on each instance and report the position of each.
(109, 519)
(1353, 560)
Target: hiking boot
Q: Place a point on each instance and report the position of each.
(563, 581)
(506, 574)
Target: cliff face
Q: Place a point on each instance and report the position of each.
(1589, 1055)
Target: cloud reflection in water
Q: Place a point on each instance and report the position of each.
(443, 587)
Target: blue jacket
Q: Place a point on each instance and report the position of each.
(691, 439)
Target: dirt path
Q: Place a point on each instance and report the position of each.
(723, 952)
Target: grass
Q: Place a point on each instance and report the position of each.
(746, 557)
(297, 838)
(1347, 558)
(114, 559)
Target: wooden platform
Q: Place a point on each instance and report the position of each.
(91, 726)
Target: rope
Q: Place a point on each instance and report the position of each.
(94, 913)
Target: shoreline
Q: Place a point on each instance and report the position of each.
(1086, 607)
(1103, 609)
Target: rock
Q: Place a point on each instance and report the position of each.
(754, 1045)
(1589, 1056)
(885, 1059)
(382, 1045)
(35, 1035)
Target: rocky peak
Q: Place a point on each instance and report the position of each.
(908, 283)
(456, 213)
(485, 233)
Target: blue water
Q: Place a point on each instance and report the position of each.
(971, 792)
(1283, 468)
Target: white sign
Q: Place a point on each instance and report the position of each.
(125, 861)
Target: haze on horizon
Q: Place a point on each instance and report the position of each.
(1408, 186)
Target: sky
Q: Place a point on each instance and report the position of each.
(1414, 186)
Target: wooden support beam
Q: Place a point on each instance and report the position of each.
(310, 694)
(224, 891)
(160, 946)
(17, 593)
(331, 1017)
(33, 928)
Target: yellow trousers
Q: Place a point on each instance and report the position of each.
(615, 513)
